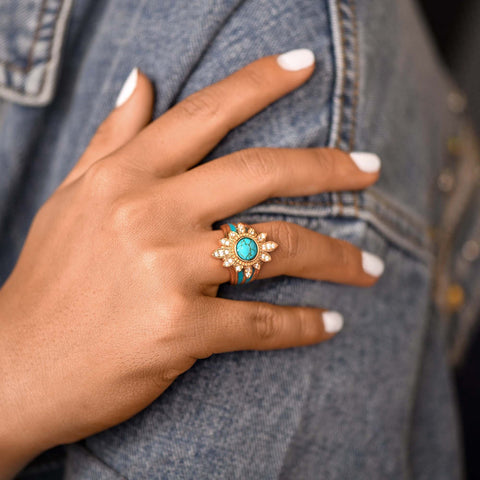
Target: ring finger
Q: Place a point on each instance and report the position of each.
(301, 253)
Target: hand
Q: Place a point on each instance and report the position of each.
(114, 294)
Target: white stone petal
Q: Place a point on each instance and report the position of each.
(269, 246)
(251, 231)
(241, 228)
(262, 236)
(248, 272)
(266, 257)
(228, 262)
(258, 266)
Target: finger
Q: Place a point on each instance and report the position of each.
(187, 132)
(238, 325)
(247, 177)
(301, 252)
(133, 111)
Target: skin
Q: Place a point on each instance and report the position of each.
(114, 294)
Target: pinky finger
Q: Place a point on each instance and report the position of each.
(242, 325)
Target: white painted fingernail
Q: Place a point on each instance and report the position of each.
(128, 88)
(295, 60)
(332, 321)
(372, 265)
(366, 162)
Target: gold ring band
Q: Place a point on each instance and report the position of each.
(243, 251)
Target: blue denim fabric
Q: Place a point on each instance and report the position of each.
(376, 401)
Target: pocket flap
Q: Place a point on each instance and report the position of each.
(31, 38)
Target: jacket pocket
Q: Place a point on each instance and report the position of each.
(31, 38)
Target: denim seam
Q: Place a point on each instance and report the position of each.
(343, 126)
(325, 211)
(45, 88)
(357, 75)
(392, 218)
(13, 66)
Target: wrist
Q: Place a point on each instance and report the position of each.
(19, 438)
(18, 445)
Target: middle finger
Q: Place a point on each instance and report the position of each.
(228, 185)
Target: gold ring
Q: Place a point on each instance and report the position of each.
(243, 251)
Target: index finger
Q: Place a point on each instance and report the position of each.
(188, 131)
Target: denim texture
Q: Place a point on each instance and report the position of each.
(376, 401)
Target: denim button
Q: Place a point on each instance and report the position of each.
(455, 297)
(471, 250)
(457, 102)
(446, 181)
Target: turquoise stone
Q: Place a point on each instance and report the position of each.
(246, 249)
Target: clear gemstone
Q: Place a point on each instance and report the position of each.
(238, 268)
(241, 228)
(266, 257)
(228, 262)
(225, 241)
(258, 266)
(232, 235)
(269, 246)
(248, 272)
(251, 231)
(262, 236)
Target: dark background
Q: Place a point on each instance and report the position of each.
(456, 28)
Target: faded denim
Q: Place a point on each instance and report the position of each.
(375, 402)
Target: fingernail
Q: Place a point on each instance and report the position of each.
(366, 162)
(372, 264)
(332, 321)
(295, 60)
(128, 88)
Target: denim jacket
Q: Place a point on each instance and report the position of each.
(375, 402)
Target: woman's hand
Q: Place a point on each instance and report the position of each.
(114, 294)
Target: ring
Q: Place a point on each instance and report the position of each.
(243, 251)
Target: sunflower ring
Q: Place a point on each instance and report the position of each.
(243, 251)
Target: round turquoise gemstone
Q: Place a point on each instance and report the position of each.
(246, 249)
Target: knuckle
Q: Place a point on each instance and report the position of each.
(101, 177)
(308, 330)
(288, 235)
(341, 253)
(203, 104)
(326, 160)
(254, 77)
(258, 163)
(125, 214)
(265, 325)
